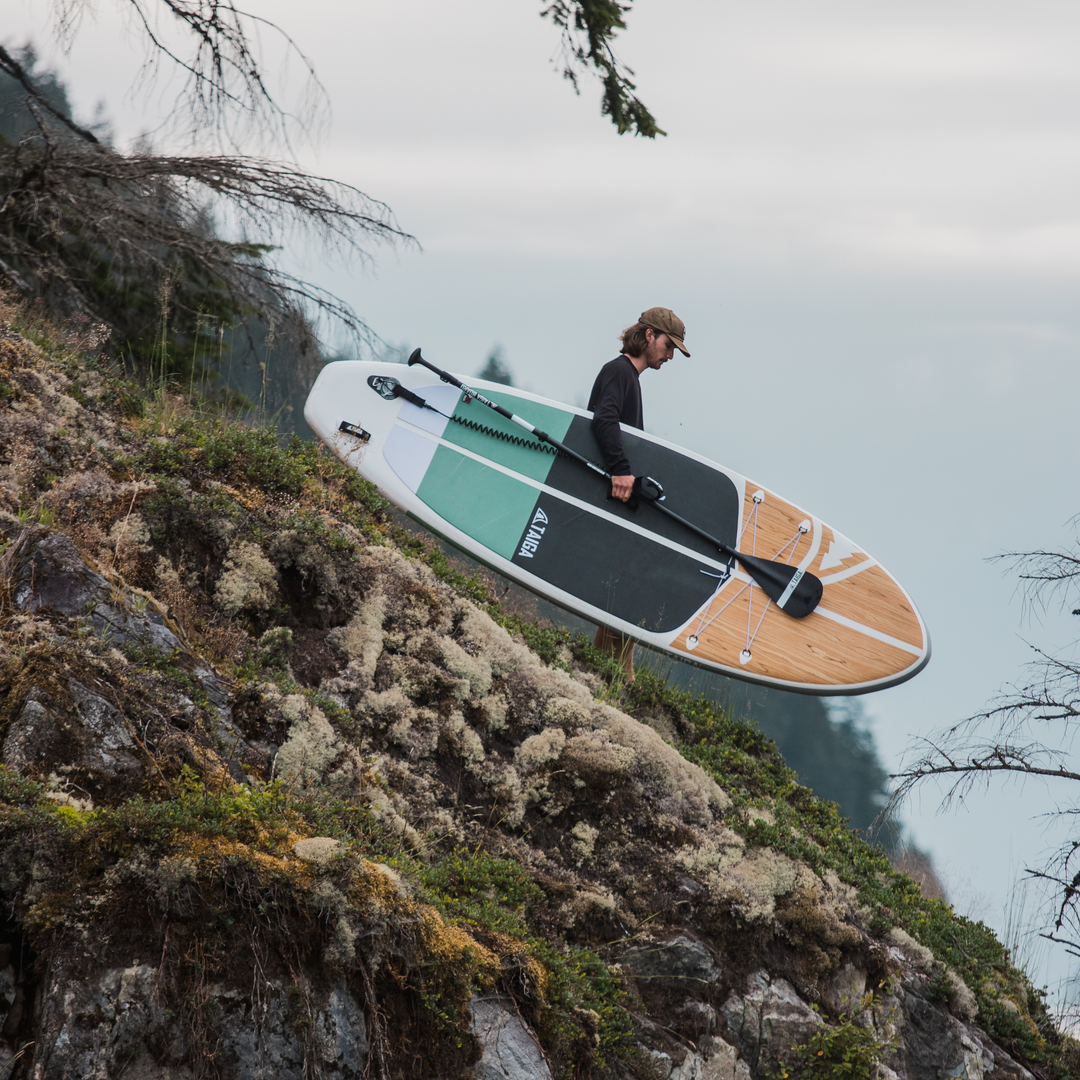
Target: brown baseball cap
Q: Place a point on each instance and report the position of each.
(665, 321)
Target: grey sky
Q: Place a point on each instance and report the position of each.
(867, 215)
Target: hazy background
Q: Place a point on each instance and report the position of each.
(867, 215)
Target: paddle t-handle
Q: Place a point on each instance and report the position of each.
(795, 592)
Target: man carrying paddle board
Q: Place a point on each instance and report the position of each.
(616, 397)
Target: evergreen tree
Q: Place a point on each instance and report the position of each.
(17, 117)
(495, 370)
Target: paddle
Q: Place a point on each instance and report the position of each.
(796, 592)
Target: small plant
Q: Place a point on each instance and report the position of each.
(37, 514)
(481, 890)
(274, 647)
(844, 1050)
(551, 643)
(132, 405)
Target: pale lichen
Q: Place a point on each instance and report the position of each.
(469, 743)
(919, 956)
(494, 709)
(314, 752)
(565, 713)
(320, 850)
(382, 808)
(617, 750)
(584, 841)
(361, 638)
(962, 999)
(249, 581)
(476, 670)
(540, 749)
(502, 654)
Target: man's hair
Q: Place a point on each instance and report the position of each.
(634, 340)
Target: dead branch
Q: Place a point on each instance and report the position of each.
(217, 51)
(1043, 575)
(69, 209)
(998, 741)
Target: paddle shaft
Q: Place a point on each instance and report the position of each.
(753, 566)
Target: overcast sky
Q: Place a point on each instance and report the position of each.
(867, 215)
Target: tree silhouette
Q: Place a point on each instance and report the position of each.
(495, 370)
(1026, 734)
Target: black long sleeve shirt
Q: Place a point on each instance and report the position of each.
(615, 397)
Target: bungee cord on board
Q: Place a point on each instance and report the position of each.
(706, 620)
(505, 436)
(389, 388)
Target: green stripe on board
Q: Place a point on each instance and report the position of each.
(529, 462)
(490, 506)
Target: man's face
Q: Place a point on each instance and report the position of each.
(659, 350)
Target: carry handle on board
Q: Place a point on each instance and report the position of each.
(795, 592)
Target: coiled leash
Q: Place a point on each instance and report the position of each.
(390, 388)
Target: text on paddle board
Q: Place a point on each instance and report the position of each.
(537, 527)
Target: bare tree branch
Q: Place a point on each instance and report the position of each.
(70, 211)
(1043, 575)
(998, 741)
(969, 765)
(78, 217)
(225, 89)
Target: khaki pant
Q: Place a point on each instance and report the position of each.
(618, 645)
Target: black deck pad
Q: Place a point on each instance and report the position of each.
(618, 571)
(697, 492)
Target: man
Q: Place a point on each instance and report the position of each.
(616, 398)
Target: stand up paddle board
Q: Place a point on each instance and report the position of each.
(543, 518)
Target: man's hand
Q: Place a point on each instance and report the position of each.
(622, 487)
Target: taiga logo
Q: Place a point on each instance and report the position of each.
(537, 528)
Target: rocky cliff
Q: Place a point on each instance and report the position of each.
(284, 795)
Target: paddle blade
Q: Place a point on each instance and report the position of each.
(776, 581)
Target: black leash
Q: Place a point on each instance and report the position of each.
(390, 388)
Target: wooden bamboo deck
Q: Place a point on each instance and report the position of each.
(865, 630)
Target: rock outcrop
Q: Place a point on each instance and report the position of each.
(277, 800)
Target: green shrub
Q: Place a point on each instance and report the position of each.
(843, 1050)
(481, 890)
(17, 790)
